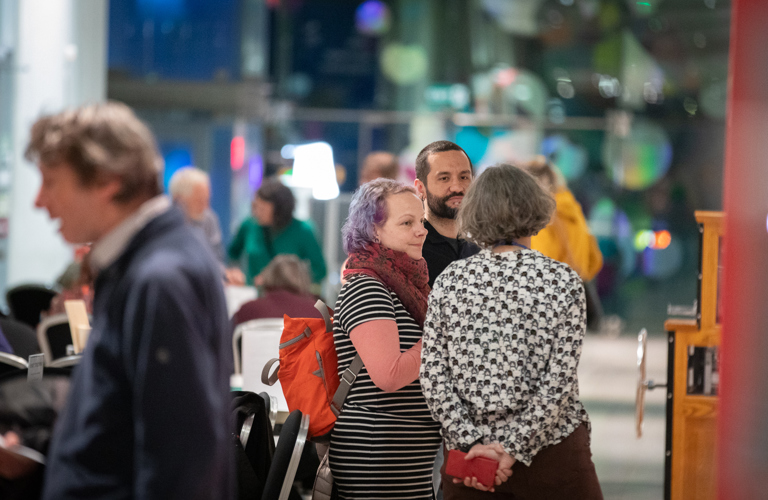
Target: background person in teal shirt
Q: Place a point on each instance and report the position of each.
(273, 231)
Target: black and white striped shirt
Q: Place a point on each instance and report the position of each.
(383, 445)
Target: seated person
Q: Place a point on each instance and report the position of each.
(272, 230)
(285, 282)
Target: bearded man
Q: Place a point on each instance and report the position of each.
(443, 175)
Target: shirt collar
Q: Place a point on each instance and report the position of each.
(113, 244)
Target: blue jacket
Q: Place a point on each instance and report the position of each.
(148, 409)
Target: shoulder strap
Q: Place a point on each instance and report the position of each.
(349, 375)
(323, 309)
(345, 384)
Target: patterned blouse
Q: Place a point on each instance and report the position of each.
(502, 341)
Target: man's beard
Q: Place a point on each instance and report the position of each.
(438, 207)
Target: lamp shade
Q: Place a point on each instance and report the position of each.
(313, 167)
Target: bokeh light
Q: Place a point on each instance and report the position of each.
(663, 263)
(527, 93)
(571, 159)
(639, 160)
(662, 240)
(255, 171)
(237, 153)
(474, 142)
(372, 18)
(655, 240)
(644, 239)
(404, 64)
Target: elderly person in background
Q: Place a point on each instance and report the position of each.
(379, 315)
(502, 342)
(286, 284)
(190, 189)
(273, 231)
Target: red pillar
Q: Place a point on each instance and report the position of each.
(743, 422)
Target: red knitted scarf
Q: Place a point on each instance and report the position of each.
(406, 277)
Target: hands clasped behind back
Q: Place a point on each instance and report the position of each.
(493, 451)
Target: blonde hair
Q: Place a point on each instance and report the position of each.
(542, 169)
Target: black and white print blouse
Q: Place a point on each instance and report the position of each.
(502, 341)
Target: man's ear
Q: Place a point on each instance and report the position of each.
(421, 189)
(110, 188)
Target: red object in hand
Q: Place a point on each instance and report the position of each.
(484, 469)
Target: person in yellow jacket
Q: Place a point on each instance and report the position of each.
(567, 238)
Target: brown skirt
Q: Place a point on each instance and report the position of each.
(561, 471)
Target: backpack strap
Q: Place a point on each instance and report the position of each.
(270, 380)
(345, 384)
(323, 309)
(266, 378)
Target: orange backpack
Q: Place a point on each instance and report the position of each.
(309, 371)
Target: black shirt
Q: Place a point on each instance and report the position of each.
(439, 252)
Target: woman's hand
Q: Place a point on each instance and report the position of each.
(495, 452)
(234, 276)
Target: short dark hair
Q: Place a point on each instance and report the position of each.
(503, 204)
(98, 141)
(281, 197)
(379, 164)
(422, 160)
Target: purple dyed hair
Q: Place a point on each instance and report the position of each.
(369, 209)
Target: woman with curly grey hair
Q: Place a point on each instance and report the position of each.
(385, 441)
(502, 341)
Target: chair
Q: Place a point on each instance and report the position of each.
(66, 361)
(10, 363)
(54, 336)
(31, 408)
(285, 461)
(21, 336)
(26, 302)
(270, 402)
(264, 325)
(260, 342)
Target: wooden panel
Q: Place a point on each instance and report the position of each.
(694, 417)
(710, 258)
(699, 482)
(693, 453)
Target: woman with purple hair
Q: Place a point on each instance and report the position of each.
(384, 443)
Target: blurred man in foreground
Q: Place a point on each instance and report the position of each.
(148, 405)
